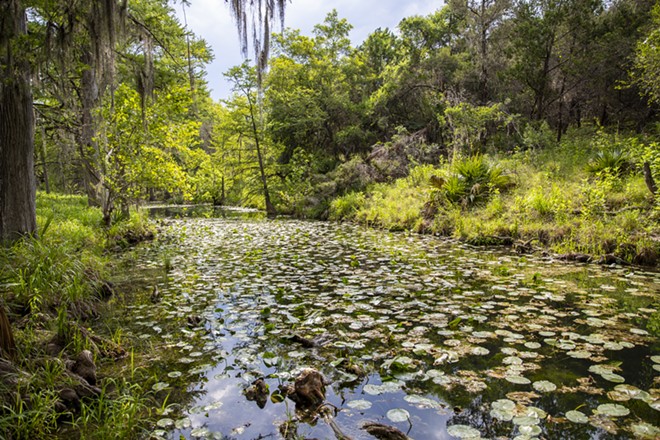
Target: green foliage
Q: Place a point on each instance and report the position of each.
(611, 155)
(653, 324)
(471, 181)
(614, 162)
(553, 203)
(647, 60)
(347, 206)
(472, 125)
(538, 136)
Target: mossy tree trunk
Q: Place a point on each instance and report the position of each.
(17, 178)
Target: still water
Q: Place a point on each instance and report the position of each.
(435, 338)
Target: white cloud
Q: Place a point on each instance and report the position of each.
(211, 20)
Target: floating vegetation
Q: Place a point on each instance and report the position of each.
(398, 415)
(405, 329)
(577, 417)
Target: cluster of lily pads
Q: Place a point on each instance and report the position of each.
(440, 331)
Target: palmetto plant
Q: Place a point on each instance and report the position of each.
(616, 162)
(470, 181)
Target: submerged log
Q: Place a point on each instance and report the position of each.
(384, 432)
(307, 343)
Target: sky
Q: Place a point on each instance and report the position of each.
(211, 20)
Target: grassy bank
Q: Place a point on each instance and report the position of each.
(55, 292)
(584, 198)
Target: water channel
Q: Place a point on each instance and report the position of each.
(433, 337)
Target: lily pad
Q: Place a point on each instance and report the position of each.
(644, 430)
(612, 410)
(613, 377)
(200, 432)
(463, 431)
(579, 354)
(398, 415)
(544, 386)
(526, 420)
(577, 417)
(360, 404)
(165, 423)
(519, 380)
(160, 386)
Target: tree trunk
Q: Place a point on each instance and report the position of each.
(648, 178)
(89, 93)
(7, 344)
(270, 208)
(17, 179)
(43, 159)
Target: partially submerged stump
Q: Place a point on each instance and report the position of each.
(384, 432)
(308, 389)
(258, 392)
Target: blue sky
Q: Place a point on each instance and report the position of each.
(211, 20)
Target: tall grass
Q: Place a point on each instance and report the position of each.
(581, 195)
(48, 286)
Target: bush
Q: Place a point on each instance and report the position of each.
(615, 162)
(346, 206)
(471, 181)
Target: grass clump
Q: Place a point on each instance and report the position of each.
(53, 288)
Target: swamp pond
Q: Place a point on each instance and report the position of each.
(433, 337)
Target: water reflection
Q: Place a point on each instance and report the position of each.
(203, 211)
(442, 331)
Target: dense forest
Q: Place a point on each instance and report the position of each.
(527, 123)
(567, 88)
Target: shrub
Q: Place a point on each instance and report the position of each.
(470, 181)
(615, 162)
(346, 206)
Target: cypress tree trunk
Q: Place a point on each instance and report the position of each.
(17, 179)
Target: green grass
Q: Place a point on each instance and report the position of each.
(553, 198)
(50, 285)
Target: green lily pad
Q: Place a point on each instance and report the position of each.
(519, 380)
(503, 405)
(480, 351)
(201, 432)
(526, 420)
(577, 417)
(420, 401)
(612, 410)
(398, 415)
(360, 404)
(544, 386)
(165, 423)
(505, 416)
(530, 430)
(579, 354)
(644, 430)
(463, 431)
(160, 386)
(612, 377)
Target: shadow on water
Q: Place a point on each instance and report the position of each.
(453, 341)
